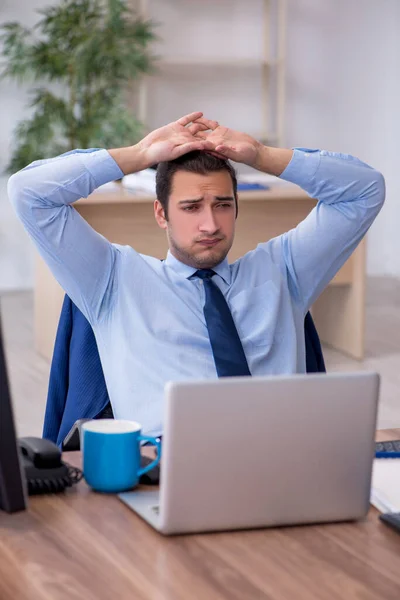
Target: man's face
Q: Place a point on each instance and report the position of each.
(201, 218)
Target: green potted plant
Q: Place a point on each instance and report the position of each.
(85, 54)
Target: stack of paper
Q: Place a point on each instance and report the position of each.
(143, 181)
(385, 492)
(261, 178)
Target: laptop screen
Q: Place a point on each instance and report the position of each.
(12, 492)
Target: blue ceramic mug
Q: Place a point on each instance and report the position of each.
(111, 454)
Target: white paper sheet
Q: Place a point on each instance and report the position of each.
(385, 493)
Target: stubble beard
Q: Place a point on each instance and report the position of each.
(205, 260)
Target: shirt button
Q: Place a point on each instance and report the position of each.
(201, 283)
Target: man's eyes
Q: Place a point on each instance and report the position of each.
(196, 207)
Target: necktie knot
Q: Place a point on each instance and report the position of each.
(204, 273)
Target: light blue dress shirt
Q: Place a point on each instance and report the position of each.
(147, 315)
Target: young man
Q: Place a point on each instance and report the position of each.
(194, 315)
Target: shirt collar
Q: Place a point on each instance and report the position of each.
(222, 269)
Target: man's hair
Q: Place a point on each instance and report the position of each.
(193, 162)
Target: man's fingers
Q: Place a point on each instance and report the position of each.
(208, 145)
(187, 147)
(208, 123)
(202, 134)
(216, 154)
(196, 127)
(207, 136)
(189, 118)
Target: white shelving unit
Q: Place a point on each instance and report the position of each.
(227, 56)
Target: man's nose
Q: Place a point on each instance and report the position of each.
(208, 223)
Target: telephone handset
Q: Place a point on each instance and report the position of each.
(44, 470)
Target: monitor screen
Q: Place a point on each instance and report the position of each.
(12, 485)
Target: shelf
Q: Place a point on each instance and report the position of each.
(186, 68)
(220, 63)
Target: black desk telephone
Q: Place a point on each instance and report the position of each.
(44, 470)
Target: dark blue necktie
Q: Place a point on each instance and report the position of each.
(229, 356)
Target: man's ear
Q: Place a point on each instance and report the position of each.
(159, 214)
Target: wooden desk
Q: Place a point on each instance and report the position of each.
(124, 218)
(83, 545)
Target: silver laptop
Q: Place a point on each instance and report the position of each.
(263, 451)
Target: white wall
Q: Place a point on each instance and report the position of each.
(343, 93)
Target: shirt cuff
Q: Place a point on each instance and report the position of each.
(302, 167)
(101, 166)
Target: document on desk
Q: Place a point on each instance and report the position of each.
(385, 491)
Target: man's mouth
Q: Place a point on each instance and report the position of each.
(211, 242)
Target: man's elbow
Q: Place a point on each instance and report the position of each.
(379, 189)
(15, 188)
(18, 187)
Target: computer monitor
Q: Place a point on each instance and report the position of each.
(12, 484)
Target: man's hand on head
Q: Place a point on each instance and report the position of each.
(166, 143)
(176, 138)
(240, 147)
(228, 143)
(195, 132)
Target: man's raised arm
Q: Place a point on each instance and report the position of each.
(350, 194)
(82, 260)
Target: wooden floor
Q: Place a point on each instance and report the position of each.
(29, 372)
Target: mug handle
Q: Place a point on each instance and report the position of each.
(155, 442)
